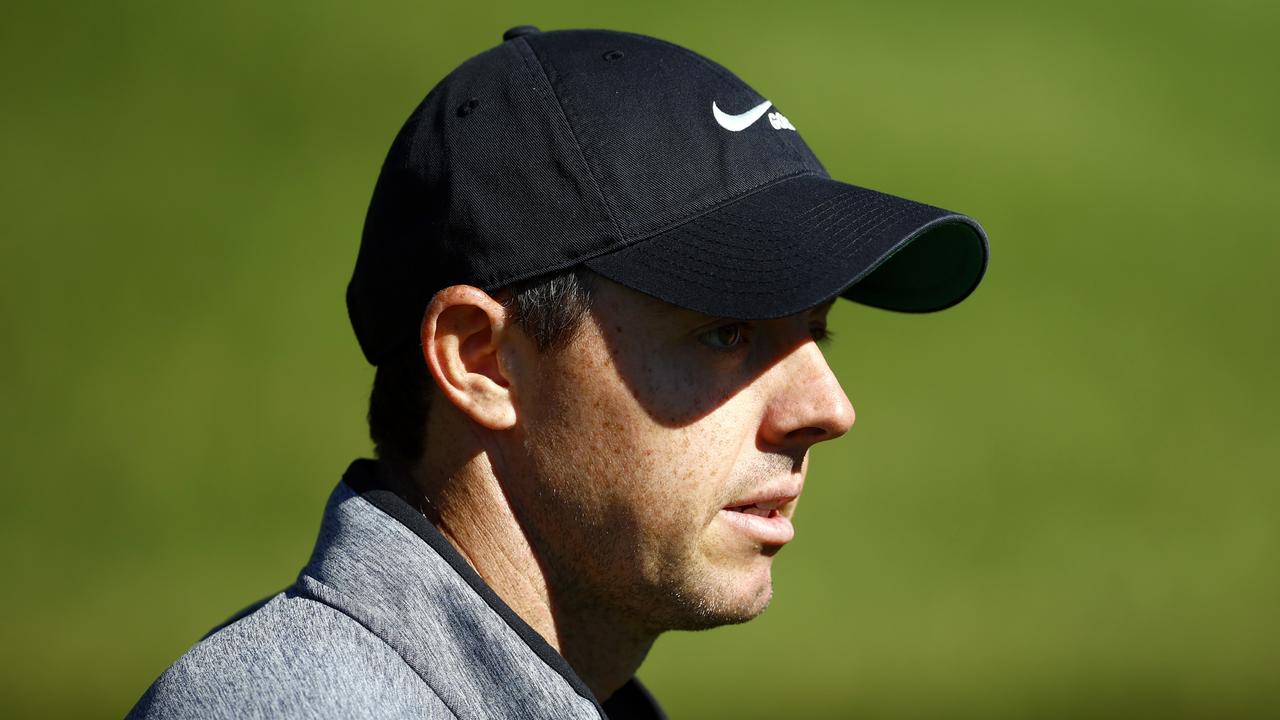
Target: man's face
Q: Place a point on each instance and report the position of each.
(641, 441)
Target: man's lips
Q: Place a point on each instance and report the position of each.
(760, 516)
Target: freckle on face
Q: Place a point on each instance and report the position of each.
(628, 474)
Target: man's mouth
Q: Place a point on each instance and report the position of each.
(762, 520)
(763, 509)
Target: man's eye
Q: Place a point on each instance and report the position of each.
(724, 337)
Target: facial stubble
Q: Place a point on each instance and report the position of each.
(602, 560)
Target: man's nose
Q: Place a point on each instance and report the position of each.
(808, 404)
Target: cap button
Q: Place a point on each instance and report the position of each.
(519, 31)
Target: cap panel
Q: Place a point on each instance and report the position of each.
(641, 111)
(520, 198)
(483, 185)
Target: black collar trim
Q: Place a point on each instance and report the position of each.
(365, 477)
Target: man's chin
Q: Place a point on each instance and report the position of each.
(717, 610)
(707, 621)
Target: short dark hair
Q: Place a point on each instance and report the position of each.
(548, 308)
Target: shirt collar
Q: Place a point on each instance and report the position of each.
(382, 571)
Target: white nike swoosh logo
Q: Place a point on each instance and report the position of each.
(737, 123)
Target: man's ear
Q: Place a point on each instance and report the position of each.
(461, 335)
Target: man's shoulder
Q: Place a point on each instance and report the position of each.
(291, 657)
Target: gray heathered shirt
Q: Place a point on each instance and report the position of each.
(387, 620)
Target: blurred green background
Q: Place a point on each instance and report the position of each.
(1059, 501)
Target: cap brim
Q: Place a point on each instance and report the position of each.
(799, 242)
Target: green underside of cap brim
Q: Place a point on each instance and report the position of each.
(932, 271)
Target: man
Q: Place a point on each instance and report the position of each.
(591, 279)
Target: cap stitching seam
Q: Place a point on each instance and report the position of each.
(723, 203)
(854, 238)
(851, 249)
(577, 147)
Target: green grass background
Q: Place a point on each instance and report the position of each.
(1060, 499)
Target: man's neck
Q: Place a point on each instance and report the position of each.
(471, 511)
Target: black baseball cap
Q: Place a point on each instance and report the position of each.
(648, 164)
